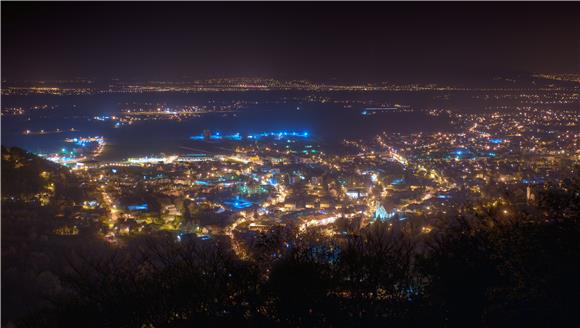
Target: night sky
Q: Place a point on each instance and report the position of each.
(347, 41)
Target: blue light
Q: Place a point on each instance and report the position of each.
(235, 136)
(138, 207)
(381, 213)
(238, 203)
(278, 135)
(532, 181)
(397, 182)
(496, 141)
(114, 170)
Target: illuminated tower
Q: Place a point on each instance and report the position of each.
(382, 214)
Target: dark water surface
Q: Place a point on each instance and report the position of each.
(326, 123)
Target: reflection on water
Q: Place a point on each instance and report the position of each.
(327, 124)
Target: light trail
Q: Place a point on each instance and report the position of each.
(237, 247)
(317, 223)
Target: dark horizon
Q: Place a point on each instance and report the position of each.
(370, 42)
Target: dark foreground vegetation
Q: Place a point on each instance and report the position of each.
(476, 268)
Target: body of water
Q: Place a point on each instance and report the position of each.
(326, 123)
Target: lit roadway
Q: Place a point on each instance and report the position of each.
(442, 182)
(229, 231)
(237, 246)
(110, 205)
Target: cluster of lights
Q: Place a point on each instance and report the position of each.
(237, 136)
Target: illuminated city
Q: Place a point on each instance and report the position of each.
(344, 191)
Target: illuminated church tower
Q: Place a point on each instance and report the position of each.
(381, 213)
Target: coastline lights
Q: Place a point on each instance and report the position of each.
(278, 135)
